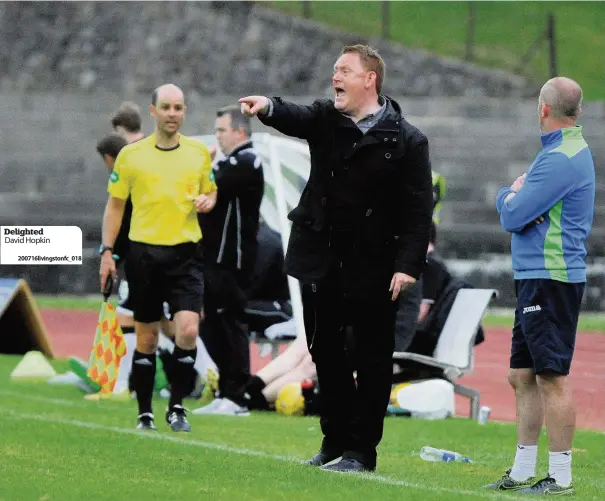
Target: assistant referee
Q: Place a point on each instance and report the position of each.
(168, 177)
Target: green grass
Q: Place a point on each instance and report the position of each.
(55, 445)
(69, 302)
(589, 322)
(504, 32)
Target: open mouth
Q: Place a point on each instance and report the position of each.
(339, 91)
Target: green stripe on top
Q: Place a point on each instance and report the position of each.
(554, 262)
(572, 141)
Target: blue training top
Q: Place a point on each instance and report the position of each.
(560, 186)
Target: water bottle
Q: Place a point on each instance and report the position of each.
(440, 455)
(484, 413)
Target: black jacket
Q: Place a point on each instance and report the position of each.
(392, 216)
(229, 230)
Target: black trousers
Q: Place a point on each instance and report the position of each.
(352, 412)
(224, 332)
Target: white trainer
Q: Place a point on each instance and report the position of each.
(223, 406)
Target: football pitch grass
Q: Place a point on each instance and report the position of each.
(54, 445)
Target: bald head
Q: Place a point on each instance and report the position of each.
(168, 92)
(168, 109)
(564, 96)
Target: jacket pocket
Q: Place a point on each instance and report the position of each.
(310, 211)
(306, 256)
(300, 215)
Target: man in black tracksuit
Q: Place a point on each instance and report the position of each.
(359, 236)
(230, 252)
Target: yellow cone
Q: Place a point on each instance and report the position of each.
(33, 367)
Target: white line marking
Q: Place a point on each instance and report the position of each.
(152, 435)
(6, 411)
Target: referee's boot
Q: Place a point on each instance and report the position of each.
(145, 421)
(177, 419)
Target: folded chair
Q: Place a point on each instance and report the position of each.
(454, 353)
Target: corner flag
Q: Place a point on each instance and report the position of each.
(108, 347)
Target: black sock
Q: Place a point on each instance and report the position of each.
(183, 375)
(254, 388)
(143, 379)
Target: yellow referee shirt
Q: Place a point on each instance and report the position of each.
(162, 185)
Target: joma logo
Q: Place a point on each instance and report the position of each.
(529, 309)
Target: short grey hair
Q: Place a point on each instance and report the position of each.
(238, 120)
(564, 96)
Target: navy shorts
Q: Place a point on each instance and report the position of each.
(546, 318)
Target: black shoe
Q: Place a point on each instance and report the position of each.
(506, 483)
(145, 421)
(323, 457)
(177, 419)
(348, 464)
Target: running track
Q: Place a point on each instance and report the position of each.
(72, 333)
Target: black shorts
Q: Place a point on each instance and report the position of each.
(260, 314)
(125, 301)
(546, 319)
(159, 274)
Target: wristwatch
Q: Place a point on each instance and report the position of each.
(104, 248)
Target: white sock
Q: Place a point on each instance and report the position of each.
(525, 462)
(559, 467)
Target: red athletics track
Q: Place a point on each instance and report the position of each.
(72, 333)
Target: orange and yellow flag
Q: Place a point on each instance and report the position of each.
(108, 349)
